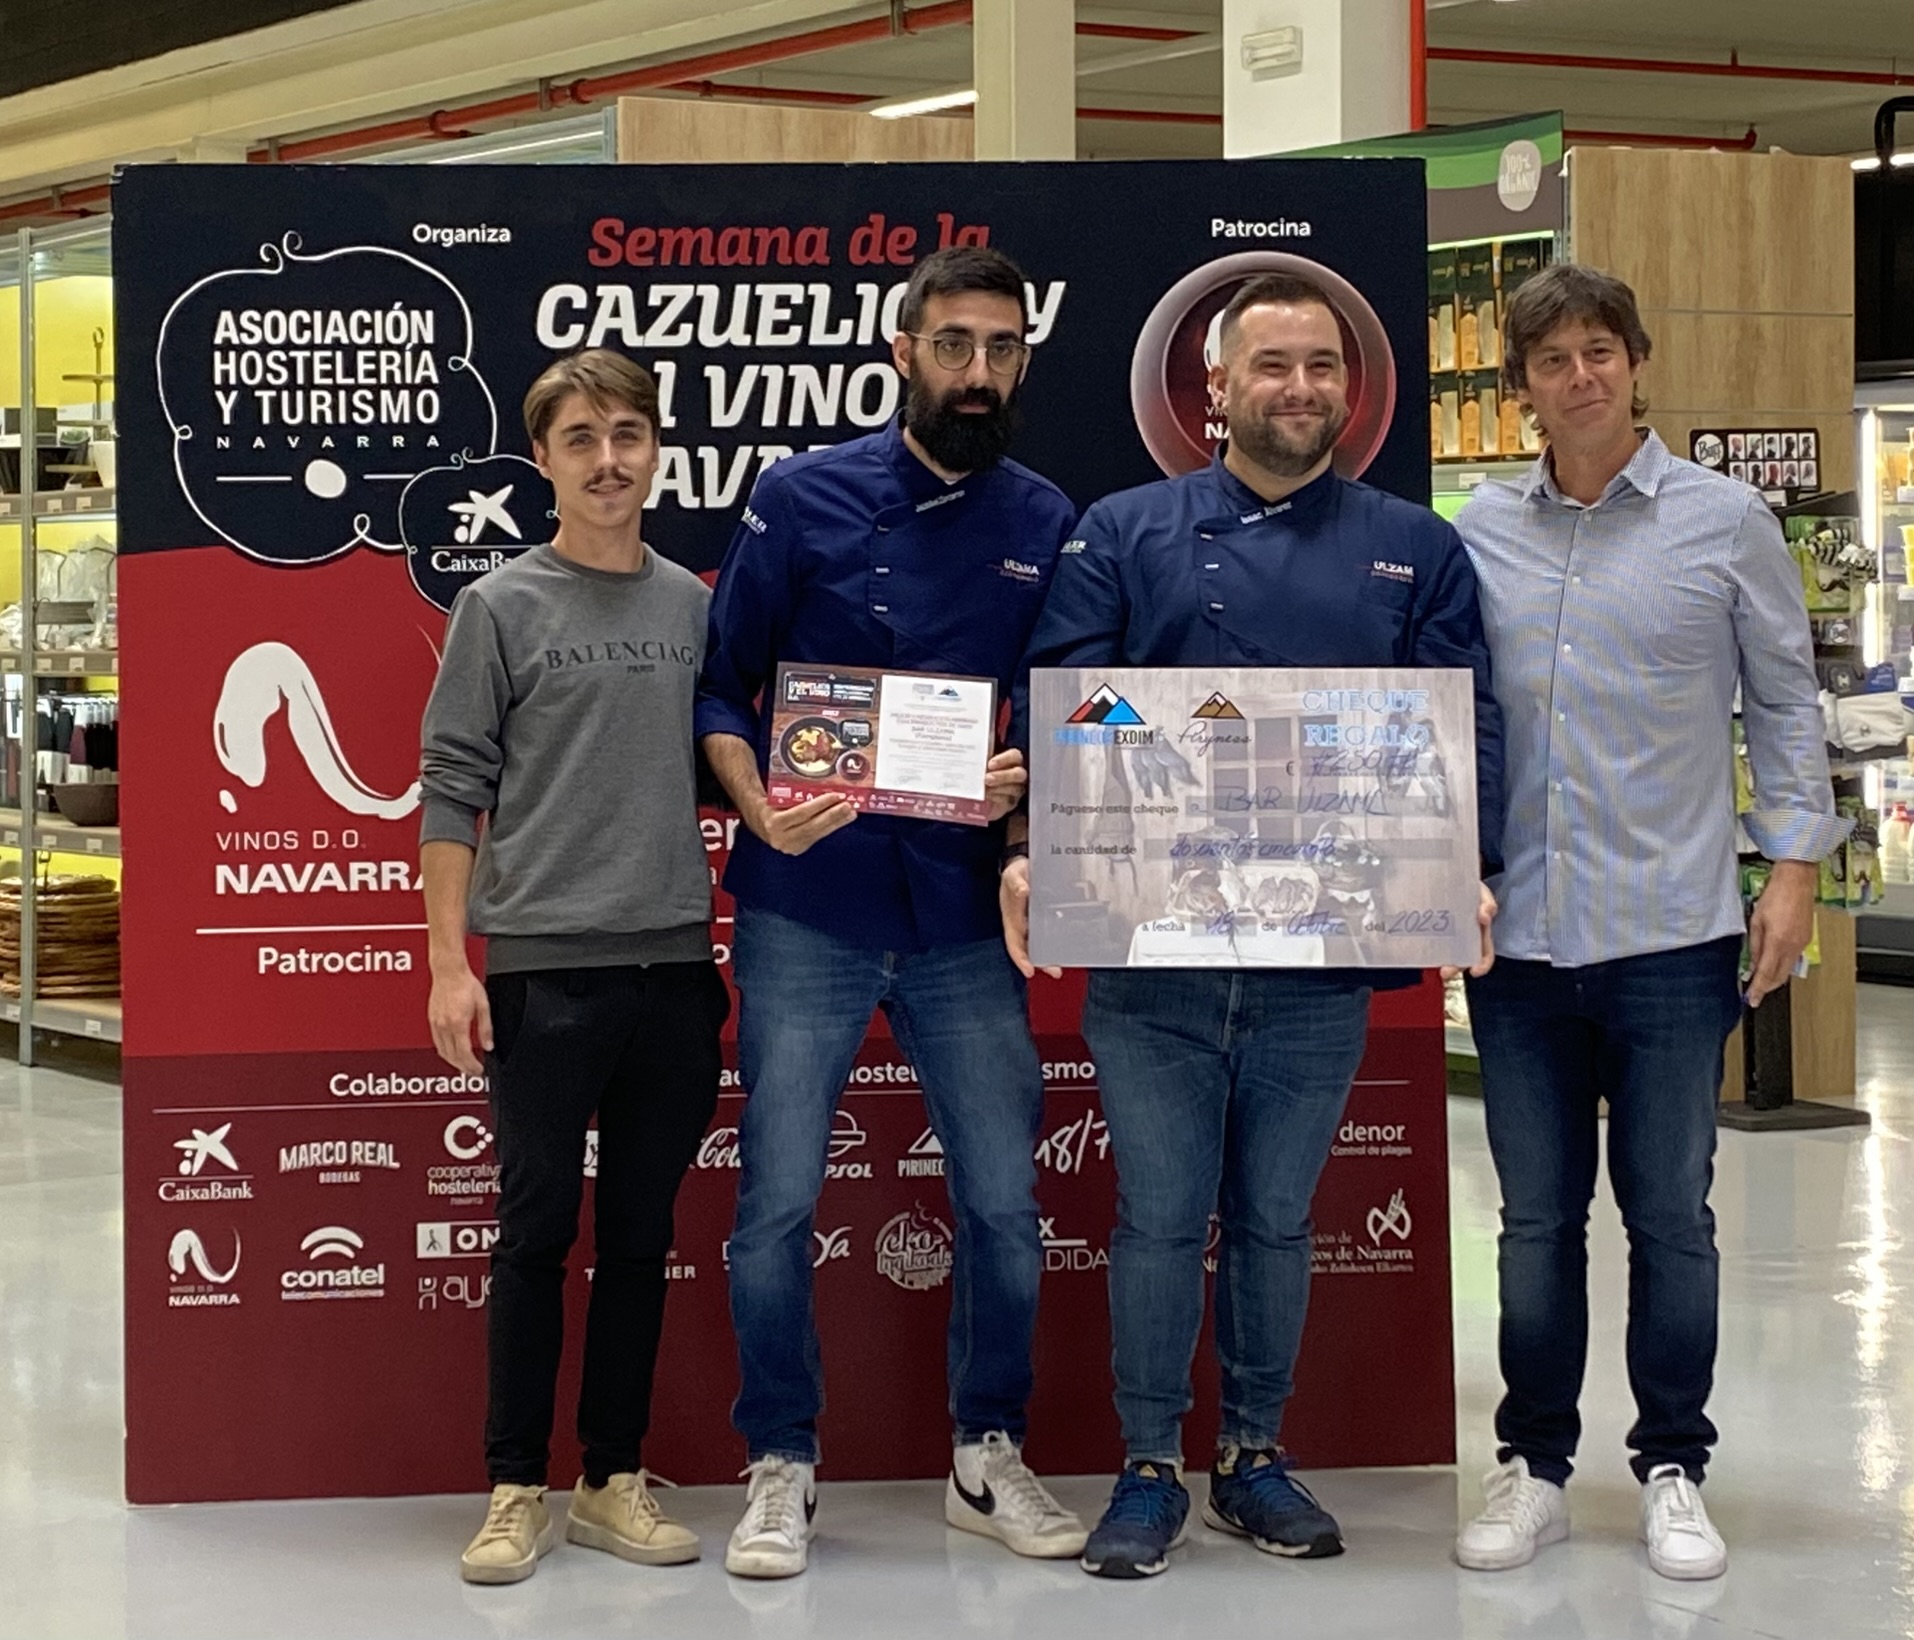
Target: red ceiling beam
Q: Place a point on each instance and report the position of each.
(1733, 69)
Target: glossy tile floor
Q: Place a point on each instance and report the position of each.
(1814, 1489)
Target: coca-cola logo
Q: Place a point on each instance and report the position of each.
(914, 1250)
(720, 1148)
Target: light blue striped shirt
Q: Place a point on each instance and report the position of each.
(1618, 633)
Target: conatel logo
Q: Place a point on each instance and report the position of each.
(914, 1250)
(199, 1152)
(1170, 393)
(346, 1278)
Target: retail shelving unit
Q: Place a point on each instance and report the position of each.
(50, 307)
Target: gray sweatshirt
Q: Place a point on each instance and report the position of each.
(562, 712)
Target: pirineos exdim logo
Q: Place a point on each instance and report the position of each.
(469, 517)
(1105, 719)
(304, 394)
(1170, 396)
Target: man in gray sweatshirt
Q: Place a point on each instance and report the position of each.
(561, 823)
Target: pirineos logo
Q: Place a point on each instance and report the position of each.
(1170, 394)
(925, 1159)
(261, 681)
(318, 1279)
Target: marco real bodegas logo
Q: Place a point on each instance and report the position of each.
(1105, 719)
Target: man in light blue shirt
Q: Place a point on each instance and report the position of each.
(1626, 595)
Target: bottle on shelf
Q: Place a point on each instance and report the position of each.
(1897, 847)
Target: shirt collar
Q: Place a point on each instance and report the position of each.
(1643, 474)
(1251, 508)
(919, 482)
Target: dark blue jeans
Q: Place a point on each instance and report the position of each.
(959, 1014)
(1223, 1092)
(1646, 1033)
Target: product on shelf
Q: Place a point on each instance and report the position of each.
(77, 926)
(1442, 310)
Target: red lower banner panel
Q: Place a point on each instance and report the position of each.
(307, 1243)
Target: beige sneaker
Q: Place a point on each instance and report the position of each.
(517, 1531)
(623, 1518)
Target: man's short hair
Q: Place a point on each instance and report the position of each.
(608, 380)
(1266, 290)
(956, 271)
(1569, 293)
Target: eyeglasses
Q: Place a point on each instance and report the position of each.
(1004, 354)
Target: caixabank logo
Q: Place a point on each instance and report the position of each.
(1105, 719)
(1181, 341)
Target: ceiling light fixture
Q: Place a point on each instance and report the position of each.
(1872, 162)
(936, 102)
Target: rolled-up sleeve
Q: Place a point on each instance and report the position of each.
(1793, 817)
(750, 609)
(463, 735)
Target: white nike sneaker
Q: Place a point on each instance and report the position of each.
(1524, 1513)
(993, 1493)
(1682, 1541)
(774, 1538)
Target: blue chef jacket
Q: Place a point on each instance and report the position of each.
(860, 555)
(1201, 571)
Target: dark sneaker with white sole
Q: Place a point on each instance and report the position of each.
(1253, 1495)
(1143, 1523)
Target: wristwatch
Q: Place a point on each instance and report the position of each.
(1013, 851)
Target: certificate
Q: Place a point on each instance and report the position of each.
(1252, 818)
(908, 743)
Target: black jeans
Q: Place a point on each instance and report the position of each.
(639, 1046)
(1646, 1033)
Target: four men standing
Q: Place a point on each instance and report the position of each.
(1625, 595)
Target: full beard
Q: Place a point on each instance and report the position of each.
(1278, 453)
(958, 440)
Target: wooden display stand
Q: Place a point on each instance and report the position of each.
(1744, 268)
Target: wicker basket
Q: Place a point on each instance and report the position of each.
(77, 923)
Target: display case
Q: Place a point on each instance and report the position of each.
(60, 854)
(1881, 742)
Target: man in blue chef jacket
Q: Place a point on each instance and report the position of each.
(919, 548)
(1223, 1090)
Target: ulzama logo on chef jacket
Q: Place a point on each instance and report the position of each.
(1105, 719)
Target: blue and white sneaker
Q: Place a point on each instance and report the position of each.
(1254, 1495)
(1143, 1523)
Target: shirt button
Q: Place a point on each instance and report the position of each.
(883, 569)
(883, 529)
(1561, 717)
(1216, 606)
(881, 609)
(1576, 579)
(1568, 649)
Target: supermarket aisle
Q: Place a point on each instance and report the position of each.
(1816, 1397)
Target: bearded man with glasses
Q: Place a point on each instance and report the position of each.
(921, 549)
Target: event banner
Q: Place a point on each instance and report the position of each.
(320, 378)
(1252, 817)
